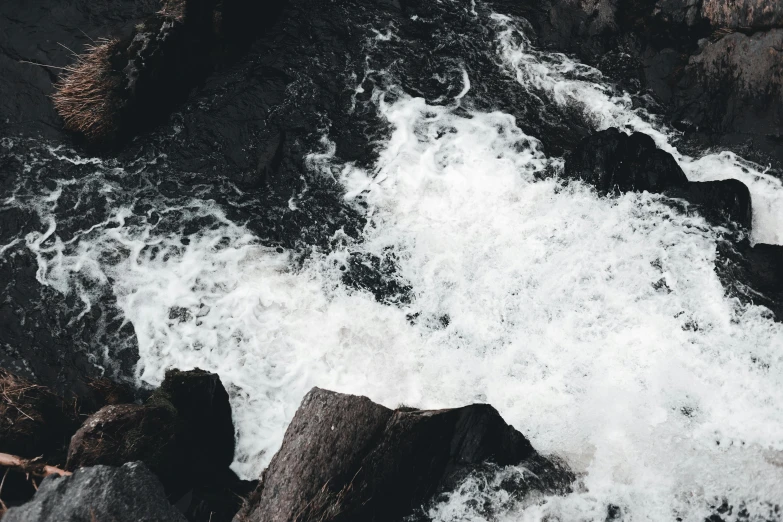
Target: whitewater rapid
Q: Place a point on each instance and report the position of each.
(596, 326)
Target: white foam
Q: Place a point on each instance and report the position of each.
(592, 324)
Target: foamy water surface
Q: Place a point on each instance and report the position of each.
(596, 326)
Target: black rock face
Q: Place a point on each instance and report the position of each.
(345, 458)
(121, 494)
(611, 161)
(753, 273)
(128, 432)
(705, 75)
(721, 202)
(184, 433)
(731, 92)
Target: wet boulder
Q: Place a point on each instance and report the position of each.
(117, 434)
(731, 92)
(346, 458)
(745, 14)
(184, 433)
(102, 493)
(678, 12)
(613, 161)
(753, 273)
(204, 420)
(720, 202)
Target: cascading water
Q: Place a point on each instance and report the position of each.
(596, 326)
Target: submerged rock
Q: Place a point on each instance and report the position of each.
(753, 273)
(101, 493)
(611, 161)
(719, 201)
(346, 458)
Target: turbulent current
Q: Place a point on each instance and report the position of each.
(596, 326)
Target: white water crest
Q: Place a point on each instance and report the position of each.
(596, 326)
(572, 83)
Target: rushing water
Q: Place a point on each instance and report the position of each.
(596, 326)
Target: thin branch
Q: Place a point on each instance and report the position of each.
(87, 35)
(44, 65)
(67, 48)
(2, 482)
(32, 467)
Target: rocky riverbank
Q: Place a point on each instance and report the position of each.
(713, 67)
(230, 101)
(343, 458)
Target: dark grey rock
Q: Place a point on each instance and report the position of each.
(611, 161)
(184, 433)
(345, 458)
(123, 433)
(325, 443)
(733, 89)
(686, 12)
(745, 14)
(101, 493)
(719, 201)
(753, 273)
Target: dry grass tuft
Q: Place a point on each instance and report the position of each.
(16, 394)
(86, 97)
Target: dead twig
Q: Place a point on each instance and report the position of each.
(2, 483)
(44, 65)
(32, 467)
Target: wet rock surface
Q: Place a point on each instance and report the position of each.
(721, 202)
(121, 494)
(347, 458)
(612, 161)
(753, 274)
(711, 65)
(745, 14)
(732, 92)
(184, 433)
